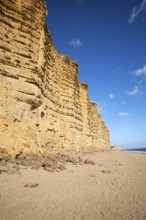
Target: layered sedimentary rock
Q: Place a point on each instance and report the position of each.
(42, 102)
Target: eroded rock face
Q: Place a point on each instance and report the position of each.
(42, 102)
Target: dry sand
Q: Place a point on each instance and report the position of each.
(113, 189)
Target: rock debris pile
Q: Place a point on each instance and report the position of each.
(49, 162)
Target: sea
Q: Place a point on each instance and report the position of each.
(137, 150)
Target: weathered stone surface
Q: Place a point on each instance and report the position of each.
(42, 103)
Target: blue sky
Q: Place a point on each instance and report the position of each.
(108, 40)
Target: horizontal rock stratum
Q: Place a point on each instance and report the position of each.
(42, 102)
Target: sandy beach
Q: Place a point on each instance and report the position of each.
(112, 189)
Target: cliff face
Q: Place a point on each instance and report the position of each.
(42, 102)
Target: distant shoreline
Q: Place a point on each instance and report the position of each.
(136, 150)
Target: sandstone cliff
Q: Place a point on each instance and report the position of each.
(42, 102)
(117, 147)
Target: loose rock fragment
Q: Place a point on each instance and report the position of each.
(31, 185)
(106, 171)
(61, 167)
(36, 166)
(49, 163)
(3, 169)
(49, 169)
(80, 159)
(87, 161)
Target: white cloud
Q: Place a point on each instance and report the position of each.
(134, 92)
(111, 96)
(123, 114)
(75, 42)
(136, 10)
(140, 71)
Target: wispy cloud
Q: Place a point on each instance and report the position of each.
(134, 92)
(136, 11)
(101, 107)
(117, 71)
(140, 71)
(123, 114)
(137, 90)
(111, 96)
(79, 1)
(75, 42)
